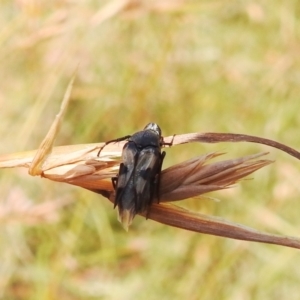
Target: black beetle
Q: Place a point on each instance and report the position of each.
(137, 183)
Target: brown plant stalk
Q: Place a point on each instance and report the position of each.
(79, 165)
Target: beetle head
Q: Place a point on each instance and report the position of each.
(154, 127)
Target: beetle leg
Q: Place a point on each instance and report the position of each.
(157, 183)
(168, 144)
(113, 141)
(114, 181)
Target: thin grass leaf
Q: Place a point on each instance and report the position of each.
(47, 144)
(172, 215)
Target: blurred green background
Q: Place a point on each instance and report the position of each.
(190, 66)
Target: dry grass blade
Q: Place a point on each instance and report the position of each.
(175, 174)
(212, 137)
(178, 217)
(110, 10)
(18, 208)
(192, 178)
(47, 144)
(79, 165)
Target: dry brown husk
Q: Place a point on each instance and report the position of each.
(79, 165)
